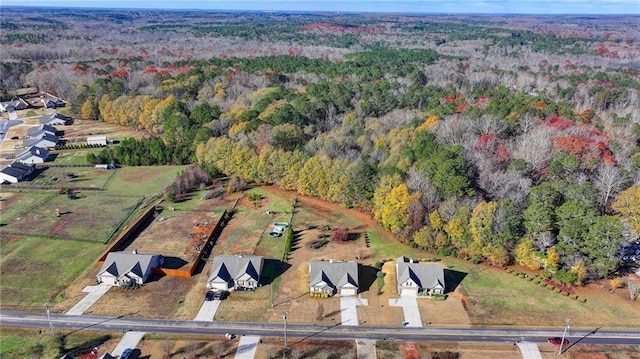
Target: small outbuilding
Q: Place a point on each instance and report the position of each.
(97, 140)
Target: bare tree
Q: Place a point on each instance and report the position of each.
(609, 180)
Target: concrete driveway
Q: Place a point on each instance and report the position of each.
(208, 310)
(247, 347)
(348, 310)
(95, 293)
(410, 310)
(366, 349)
(529, 350)
(129, 340)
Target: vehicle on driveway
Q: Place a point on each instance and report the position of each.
(558, 341)
(215, 295)
(126, 354)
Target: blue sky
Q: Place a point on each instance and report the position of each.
(411, 6)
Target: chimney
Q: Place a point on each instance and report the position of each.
(135, 251)
(330, 259)
(410, 260)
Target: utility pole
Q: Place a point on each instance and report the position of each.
(53, 333)
(284, 318)
(567, 325)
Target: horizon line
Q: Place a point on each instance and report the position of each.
(381, 12)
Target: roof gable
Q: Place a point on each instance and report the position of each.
(334, 274)
(424, 275)
(233, 267)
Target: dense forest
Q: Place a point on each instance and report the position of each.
(503, 139)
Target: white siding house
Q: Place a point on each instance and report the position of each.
(126, 268)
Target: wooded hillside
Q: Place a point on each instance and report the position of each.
(496, 138)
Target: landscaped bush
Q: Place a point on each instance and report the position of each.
(551, 288)
(583, 300)
(439, 296)
(575, 296)
(566, 294)
(543, 284)
(537, 281)
(558, 290)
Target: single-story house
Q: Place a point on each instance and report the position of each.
(39, 131)
(13, 105)
(52, 102)
(16, 172)
(56, 119)
(235, 272)
(416, 279)
(47, 140)
(333, 278)
(126, 268)
(34, 154)
(97, 140)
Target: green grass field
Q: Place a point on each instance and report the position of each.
(92, 216)
(35, 269)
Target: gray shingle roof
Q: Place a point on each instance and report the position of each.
(231, 267)
(120, 263)
(335, 274)
(424, 275)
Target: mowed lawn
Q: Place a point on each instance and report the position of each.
(36, 270)
(145, 180)
(92, 216)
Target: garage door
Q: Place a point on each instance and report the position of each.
(409, 292)
(348, 291)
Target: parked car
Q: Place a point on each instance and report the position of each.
(15, 138)
(558, 341)
(126, 354)
(217, 294)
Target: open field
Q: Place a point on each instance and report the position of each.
(37, 270)
(91, 216)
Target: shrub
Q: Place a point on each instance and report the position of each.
(536, 281)
(558, 290)
(551, 288)
(583, 300)
(566, 294)
(530, 279)
(575, 296)
(439, 296)
(617, 282)
(543, 284)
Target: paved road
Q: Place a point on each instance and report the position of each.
(300, 332)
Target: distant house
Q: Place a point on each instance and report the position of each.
(16, 172)
(56, 119)
(235, 272)
(46, 140)
(333, 278)
(97, 140)
(33, 155)
(127, 268)
(52, 102)
(39, 131)
(13, 105)
(416, 279)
